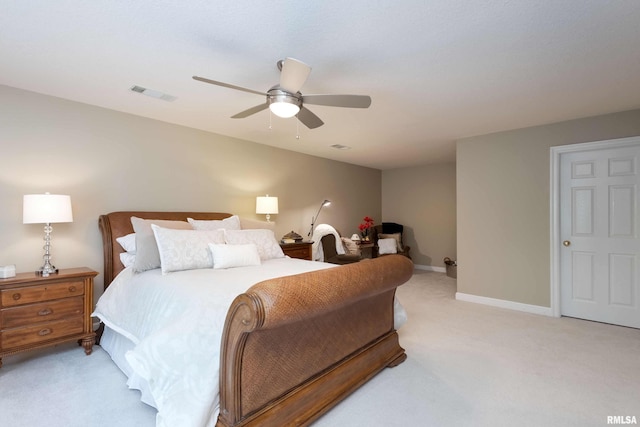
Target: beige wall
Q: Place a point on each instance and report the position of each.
(109, 161)
(503, 214)
(423, 199)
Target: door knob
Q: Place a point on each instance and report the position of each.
(566, 243)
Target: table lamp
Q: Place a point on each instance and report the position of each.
(266, 205)
(46, 209)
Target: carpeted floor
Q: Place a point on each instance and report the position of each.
(468, 365)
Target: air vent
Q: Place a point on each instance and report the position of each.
(340, 147)
(152, 93)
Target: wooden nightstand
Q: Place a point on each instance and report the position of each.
(300, 250)
(38, 311)
(368, 250)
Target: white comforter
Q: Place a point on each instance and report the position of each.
(176, 322)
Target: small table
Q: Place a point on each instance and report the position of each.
(38, 311)
(301, 250)
(368, 249)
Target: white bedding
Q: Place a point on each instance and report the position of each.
(175, 322)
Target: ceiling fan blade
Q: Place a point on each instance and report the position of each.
(293, 75)
(250, 111)
(309, 119)
(227, 85)
(348, 101)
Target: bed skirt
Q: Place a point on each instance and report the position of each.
(116, 347)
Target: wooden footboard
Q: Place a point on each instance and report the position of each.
(294, 346)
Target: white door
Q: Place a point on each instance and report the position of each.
(600, 250)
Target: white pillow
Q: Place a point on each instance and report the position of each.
(128, 242)
(231, 223)
(127, 258)
(265, 241)
(387, 246)
(229, 256)
(147, 256)
(185, 249)
(394, 236)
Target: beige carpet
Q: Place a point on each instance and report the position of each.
(468, 365)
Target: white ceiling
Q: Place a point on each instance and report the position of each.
(436, 70)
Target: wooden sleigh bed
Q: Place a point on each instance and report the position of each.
(294, 346)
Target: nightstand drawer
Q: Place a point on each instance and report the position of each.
(301, 250)
(43, 312)
(40, 333)
(29, 294)
(302, 253)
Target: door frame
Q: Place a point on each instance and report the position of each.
(556, 152)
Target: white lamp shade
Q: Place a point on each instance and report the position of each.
(46, 208)
(266, 205)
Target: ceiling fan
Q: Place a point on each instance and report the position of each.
(285, 99)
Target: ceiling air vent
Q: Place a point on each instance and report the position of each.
(152, 93)
(340, 147)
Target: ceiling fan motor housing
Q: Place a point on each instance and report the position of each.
(275, 94)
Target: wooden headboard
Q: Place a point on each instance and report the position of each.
(118, 224)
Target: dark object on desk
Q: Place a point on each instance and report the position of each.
(291, 236)
(388, 230)
(331, 255)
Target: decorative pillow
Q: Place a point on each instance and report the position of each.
(350, 247)
(395, 236)
(128, 242)
(127, 258)
(231, 223)
(387, 246)
(229, 256)
(252, 224)
(185, 249)
(264, 240)
(147, 256)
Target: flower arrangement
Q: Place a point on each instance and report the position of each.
(365, 227)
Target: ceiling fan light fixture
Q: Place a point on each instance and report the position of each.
(283, 104)
(284, 109)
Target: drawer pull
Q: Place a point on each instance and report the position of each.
(45, 312)
(72, 288)
(45, 331)
(16, 296)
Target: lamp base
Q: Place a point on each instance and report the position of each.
(46, 271)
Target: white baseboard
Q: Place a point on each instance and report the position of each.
(430, 268)
(511, 305)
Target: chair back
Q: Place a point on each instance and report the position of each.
(329, 246)
(391, 227)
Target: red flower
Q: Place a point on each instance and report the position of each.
(366, 225)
